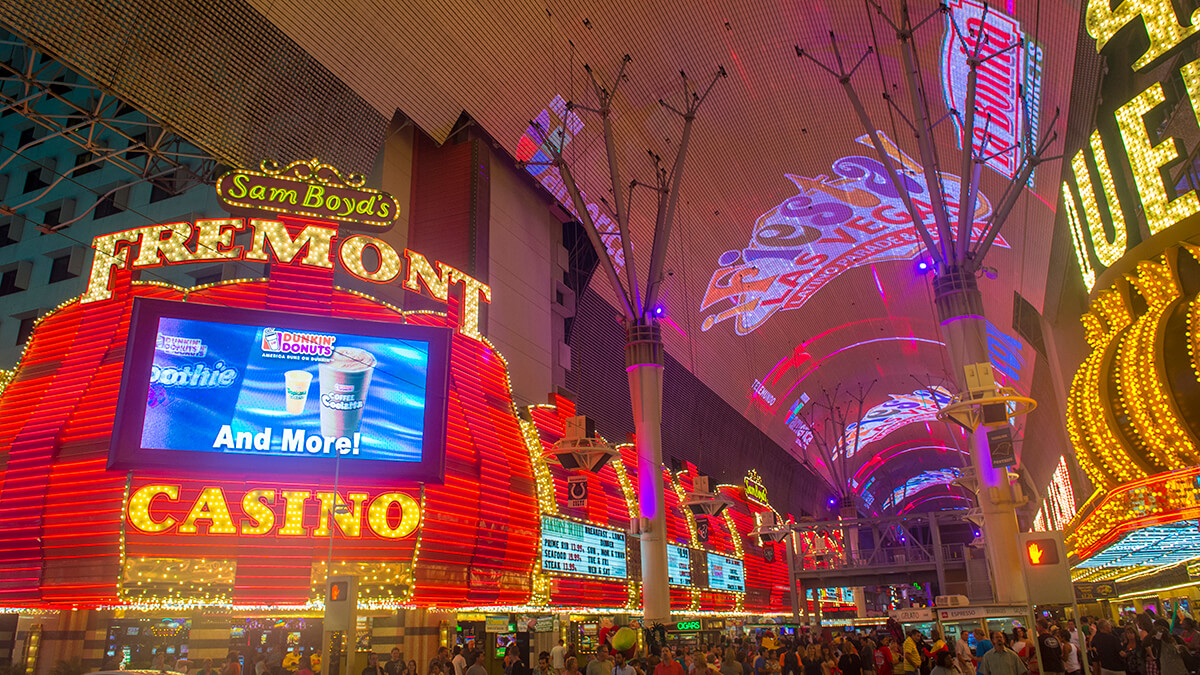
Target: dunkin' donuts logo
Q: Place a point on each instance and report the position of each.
(279, 341)
(833, 225)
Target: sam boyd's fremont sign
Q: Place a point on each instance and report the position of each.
(309, 189)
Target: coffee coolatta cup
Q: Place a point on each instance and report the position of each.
(345, 379)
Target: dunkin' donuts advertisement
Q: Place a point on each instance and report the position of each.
(279, 391)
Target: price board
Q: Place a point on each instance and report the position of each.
(569, 547)
(679, 565)
(726, 574)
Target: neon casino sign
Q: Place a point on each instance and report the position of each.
(1058, 508)
(832, 226)
(559, 125)
(1010, 72)
(312, 247)
(1093, 214)
(899, 410)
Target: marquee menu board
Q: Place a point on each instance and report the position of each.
(679, 565)
(726, 574)
(569, 547)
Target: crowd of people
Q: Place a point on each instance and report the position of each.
(1143, 644)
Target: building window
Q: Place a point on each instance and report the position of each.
(133, 155)
(110, 205)
(36, 179)
(10, 231)
(53, 218)
(8, 282)
(82, 159)
(60, 269)
(25, 329)
(159, 193)
(210, 278)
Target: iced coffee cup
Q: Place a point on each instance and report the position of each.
(296, 384)
(345, 378)
(270, 340)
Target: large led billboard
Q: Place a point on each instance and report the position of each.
(571, 547)
(726, 574)
(255, 391)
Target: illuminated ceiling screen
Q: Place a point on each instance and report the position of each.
(831, 226)
(899, 410)
(1012, 64)
(921, 481)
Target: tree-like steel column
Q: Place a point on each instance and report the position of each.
(644, 348)
(956, 254)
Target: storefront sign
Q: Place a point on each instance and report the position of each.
(496, 624)
(1090, 592)
(309, 189)
(311, 246)
(220, 388)
(570, 547)
(911, 615)
(1092, 213)
(755, 490)
(270, 511)
(687, 625)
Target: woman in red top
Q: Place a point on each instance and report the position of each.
(883, 657)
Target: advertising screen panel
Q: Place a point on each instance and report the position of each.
(726, 574)
(578, 548)
(215, 387)
(679, 565)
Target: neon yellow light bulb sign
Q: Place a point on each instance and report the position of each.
(1097, 216)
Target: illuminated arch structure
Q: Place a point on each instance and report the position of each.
(1133, 415)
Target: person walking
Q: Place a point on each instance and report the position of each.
(459, 662)
(944, 663)
(1001, 660)
(962, 654)
(1070, 656)
(730, 664)
(1108, 649)
(373, 666)
(982, 647)
(1131, 651)
(850, 663)
(912, 653)
(600, 664)
(1050, 649)
(669, 665)
(885, 660)
(558, 657)
(477, 667)
(620, 667)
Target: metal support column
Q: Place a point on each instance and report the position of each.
(960, 311)
(938, 553)
(790, 545)
(644, 364)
